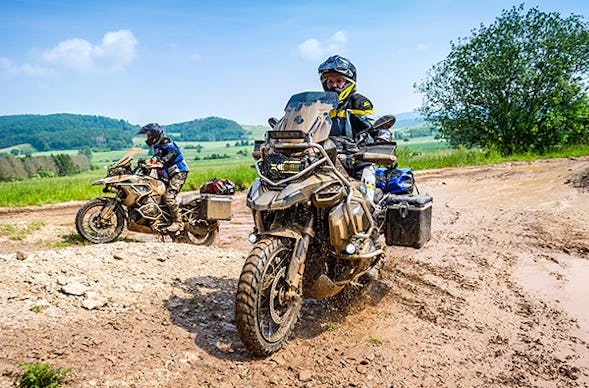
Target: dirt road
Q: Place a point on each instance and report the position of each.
(498, 297)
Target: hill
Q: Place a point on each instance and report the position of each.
(408, 119)
(65, 131)
(209, 129)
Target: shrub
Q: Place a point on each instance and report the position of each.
(40, 375)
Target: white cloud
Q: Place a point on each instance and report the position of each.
(10, 69)
(314, 49)
(421, 47)
(116, 51)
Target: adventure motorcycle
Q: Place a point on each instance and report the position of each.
(138, 201)
(315, 232)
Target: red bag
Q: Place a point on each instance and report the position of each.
(218, 186)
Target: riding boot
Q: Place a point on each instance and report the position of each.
(176, 224)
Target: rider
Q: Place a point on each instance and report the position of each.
(353, 114)
(176, 168)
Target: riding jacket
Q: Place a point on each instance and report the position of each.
(170, 155)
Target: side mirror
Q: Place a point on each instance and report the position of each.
(257, 153)
(272, 121)
(384, 122)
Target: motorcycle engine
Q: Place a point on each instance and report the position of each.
(146, 213)
(150, 210)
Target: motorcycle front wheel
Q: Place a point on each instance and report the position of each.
(95, 228)
(264, 313)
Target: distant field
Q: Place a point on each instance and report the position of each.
(423, 144)
(237, 168)
(410, 154)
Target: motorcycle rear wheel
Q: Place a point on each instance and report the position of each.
(199, 235)
(264, 315)
(96, 229)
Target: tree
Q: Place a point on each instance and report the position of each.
(517, 85)
(209, 129)
(65, 131)
(86, 151)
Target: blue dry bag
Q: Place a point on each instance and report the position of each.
(395, 181)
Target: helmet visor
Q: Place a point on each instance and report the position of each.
(338, 65)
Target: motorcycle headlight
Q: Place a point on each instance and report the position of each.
(277, 166)
(252, 238)
(350, 249)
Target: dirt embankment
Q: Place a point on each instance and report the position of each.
(498, 297)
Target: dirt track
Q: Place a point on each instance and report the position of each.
(498, 297)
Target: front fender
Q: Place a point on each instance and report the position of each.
(285, 232)
(111, 204)
(261, 198)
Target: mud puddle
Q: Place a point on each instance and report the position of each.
(565, 282)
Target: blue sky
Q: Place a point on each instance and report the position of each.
(179, 60)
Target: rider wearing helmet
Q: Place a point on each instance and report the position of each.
(353, 114)
(171, 157)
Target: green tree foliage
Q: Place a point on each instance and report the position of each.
(517, 85)
(86, 151)
(216, 156)
(65, 165)
(209, 129)
(16, 168)
(65, 131)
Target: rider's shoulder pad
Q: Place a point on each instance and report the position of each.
(359, 101)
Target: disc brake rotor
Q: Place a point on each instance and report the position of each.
(277, 296)
(98, 224)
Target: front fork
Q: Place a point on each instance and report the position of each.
(296, 267)
(109, 207)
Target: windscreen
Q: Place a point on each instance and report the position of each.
(309, 111)
(128, 157)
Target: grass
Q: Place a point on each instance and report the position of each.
(330, 326)
(19, 231)
(423, 145)
(463, 157)
(41, 375)
(375, 341)
(76, 239)
(36, 309)
(44, 191)
(71, 239)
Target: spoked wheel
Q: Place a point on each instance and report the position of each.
(199, 235)
(92, 226)
(264, 311)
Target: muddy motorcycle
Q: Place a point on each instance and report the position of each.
(315, 232)
(139, 203)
